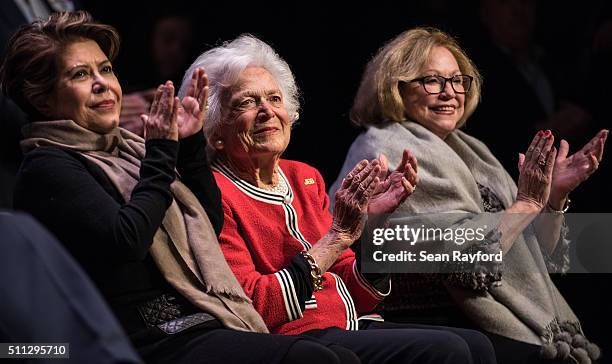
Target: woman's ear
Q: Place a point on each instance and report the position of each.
(43, 106)
(400, 86)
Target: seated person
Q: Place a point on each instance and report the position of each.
(291, 256)
(419, 90)
(47, 298)
(146, 237)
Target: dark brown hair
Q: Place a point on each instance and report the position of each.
(30, 72)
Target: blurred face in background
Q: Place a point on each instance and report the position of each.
(510, 23)
(171, 44)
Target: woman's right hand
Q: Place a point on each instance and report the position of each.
(161, 123)
(536, 167)
(351, 200)
(192, 108)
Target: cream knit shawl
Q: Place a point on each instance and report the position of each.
(525, 305)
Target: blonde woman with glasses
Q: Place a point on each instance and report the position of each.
(416, 93)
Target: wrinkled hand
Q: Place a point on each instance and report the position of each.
(132, 106)
(192, 108)
(570, 172)
(161, 123)
(535, 169)
(396, 186)
(351, 200)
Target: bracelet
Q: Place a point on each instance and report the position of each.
(563, 210)
(315, 271)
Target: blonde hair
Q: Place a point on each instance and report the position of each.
(378, 99)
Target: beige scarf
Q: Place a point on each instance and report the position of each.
(185, 247)
(525, 305)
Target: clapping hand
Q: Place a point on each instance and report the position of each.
(570, 172)
(161, 123)
(351, 200)
(536, 167)
(395, 186)
(192, 108)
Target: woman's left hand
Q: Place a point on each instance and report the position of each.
(352, 198)
(570, 172)
(395, 186)
(192, 108)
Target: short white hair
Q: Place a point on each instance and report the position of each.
(225, 63)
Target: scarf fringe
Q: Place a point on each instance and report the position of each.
(566, 340)
(228, 293)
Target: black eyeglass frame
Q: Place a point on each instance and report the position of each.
(421, 80)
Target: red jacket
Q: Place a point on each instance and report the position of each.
(263, 231)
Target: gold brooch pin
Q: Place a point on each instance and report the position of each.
(309, 181)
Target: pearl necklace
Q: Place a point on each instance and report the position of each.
(280, 188)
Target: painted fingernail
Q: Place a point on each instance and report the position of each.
(540, 133)
(547, 133)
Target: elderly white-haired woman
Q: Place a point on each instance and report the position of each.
(291, 256)
(145, 236)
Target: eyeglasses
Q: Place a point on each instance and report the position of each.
(436, 84)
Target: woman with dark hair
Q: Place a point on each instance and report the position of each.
(145, 236)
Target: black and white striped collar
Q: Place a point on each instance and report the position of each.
(257, 193)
